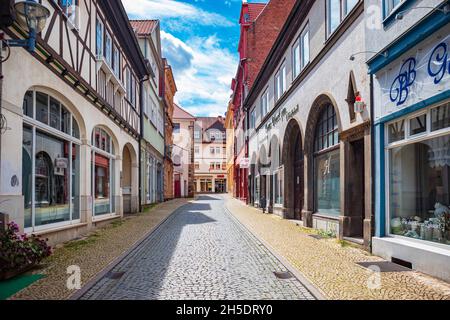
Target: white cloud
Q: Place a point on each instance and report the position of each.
(203, 87)
(183, 12)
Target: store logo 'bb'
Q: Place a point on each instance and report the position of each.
(406, 77)
(438, 65)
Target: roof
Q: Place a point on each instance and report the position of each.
(144, 27)
(180, 113)
(211, 123)
(254, 9)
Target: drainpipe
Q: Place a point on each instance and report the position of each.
(372, 160)
(141, 136)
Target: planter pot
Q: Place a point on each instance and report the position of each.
(9, 274)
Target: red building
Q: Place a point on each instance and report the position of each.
(260, 24)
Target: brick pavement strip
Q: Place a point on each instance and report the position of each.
(332, 267)
(95, 252)
(200, 252)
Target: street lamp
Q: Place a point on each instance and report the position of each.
(31, 16)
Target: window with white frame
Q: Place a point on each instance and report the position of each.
(280, 82)
(253, 119)
(278, 184)
(337, 10)
(70, 10)
(390, 5)
(99, 38)
(212, 150)
(196, 149)
(116, 61)
(108, 48)
(264, 103)
(217, 150)
(300, 52)
(418, 159)
(50, 163)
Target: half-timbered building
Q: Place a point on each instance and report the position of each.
(69, 150)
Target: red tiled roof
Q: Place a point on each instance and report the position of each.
(180, 113)
(254, 9)
(144, 27)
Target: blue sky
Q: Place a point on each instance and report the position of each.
(199, 39)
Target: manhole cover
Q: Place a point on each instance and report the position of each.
(115, 275)
(283, 274)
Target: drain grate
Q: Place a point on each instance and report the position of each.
(383, 266)
(283, 274)
(115, 275)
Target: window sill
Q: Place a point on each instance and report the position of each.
(102, 64)
(325, 216)
(105, 217)
(59, 229)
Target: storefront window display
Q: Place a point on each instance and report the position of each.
(278, 184)
(419, 176)
(102, 172)
(327, 164)
(50, 163)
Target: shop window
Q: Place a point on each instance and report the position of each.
(42, 107)
(28, 104)
(56, 165)
(440, 117)
(418, 125)
(278, 183)
(396, 131)
(327, 163)
(419, 179)
(102, 172)
(419, 190)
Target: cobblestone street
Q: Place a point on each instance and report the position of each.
(200, 252)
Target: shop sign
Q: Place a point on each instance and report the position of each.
(280, 115)
(423, 73)
(61, 163)
(244, 163)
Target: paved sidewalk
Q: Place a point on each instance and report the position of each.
(200, 252)
(332, 267)
(94, 252)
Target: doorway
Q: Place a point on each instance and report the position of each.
(177, 186)
(356, 189)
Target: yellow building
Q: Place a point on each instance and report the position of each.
(229, 126)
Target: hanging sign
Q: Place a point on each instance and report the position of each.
(61, 163)
(244, 163)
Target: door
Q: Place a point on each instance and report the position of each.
(298, 179)
(177, 186)
(357, 183)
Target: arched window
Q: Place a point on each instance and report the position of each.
(102, 173)
(51, 147)
(326, 163)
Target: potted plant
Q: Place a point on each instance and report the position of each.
(19, 253)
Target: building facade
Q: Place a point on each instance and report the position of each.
(152, 146)
(170, 89)
(210, 155)
(183, 153)
(309, 142)
(229, 127)
(69, 151)
(411, 81)
(260, 24)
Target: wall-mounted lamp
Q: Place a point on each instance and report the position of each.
(31, 16)
(384, 54)
(445, 9)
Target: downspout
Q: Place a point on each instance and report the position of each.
(141, 136)
(372, 161)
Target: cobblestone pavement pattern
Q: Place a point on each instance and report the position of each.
(200, 252)
(331, 266)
